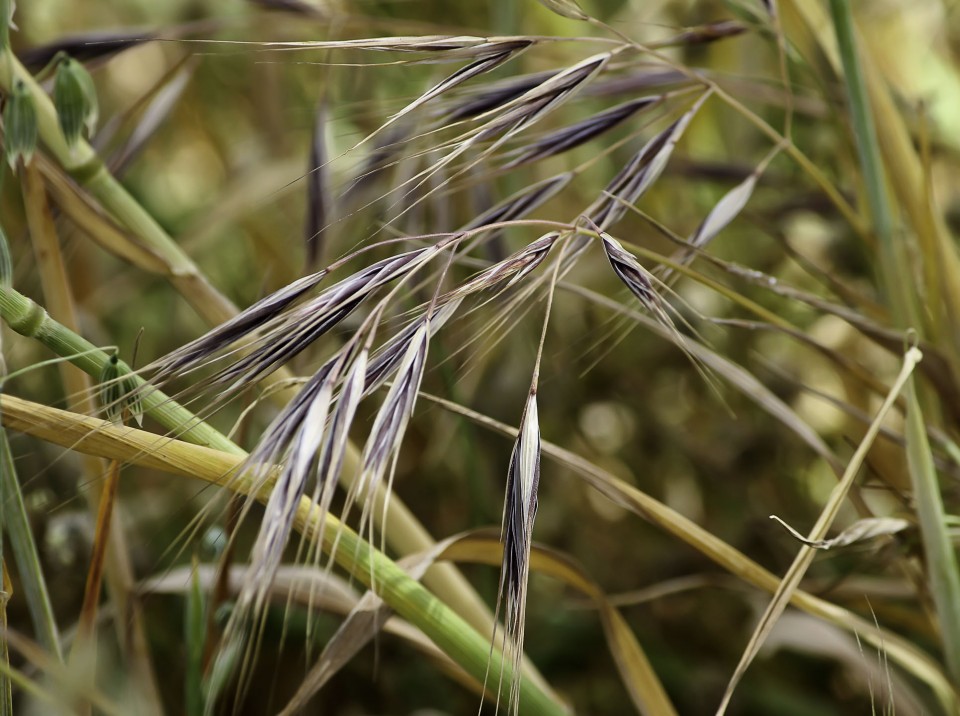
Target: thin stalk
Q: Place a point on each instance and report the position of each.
(6, 686)
(17, 525)
(941, 262)
(411, 600)
(940, 558)
(84, 646)
(4, 24)
(195, 629)
(15, 521)
(59, 297)
(802, 160)
(938, 549)
(868, 150)
(29, 319)
(803, 560)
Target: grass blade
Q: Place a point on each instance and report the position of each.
(938, 549)
(195, 631)
(6, 589)
(17, 525)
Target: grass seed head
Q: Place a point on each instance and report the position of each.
(519, 512)
(20, 125)
(75, 98)
(581, 132)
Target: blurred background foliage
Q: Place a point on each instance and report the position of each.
(224, 173)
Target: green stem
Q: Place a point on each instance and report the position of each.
(17, 524)
(938, 549)
(406, 596)
(4, 24)
(195, 634)
(871, 165)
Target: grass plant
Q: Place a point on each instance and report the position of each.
(696, 262)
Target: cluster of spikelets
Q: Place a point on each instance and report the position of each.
(303, 449)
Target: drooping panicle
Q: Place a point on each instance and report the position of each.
(386, 151)
(154, 116)
(703, 34)
(725, 211)
(566, 8)
(291, 441)
(438, 48)
(512, 269)
(93, 45)
(720, 216)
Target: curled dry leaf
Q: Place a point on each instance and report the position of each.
(860, 531)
